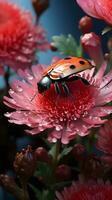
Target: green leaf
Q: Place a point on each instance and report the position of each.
(65, 152)
(45, 171)
(53, 150)
(44, 194)
(37, 192)
(67, 45)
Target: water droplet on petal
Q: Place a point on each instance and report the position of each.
(75, 118)
(25, 114)
(41, 128)
(58, 128)
(61, 119)
(29, 125)
(54, 140)
(11, 91)
(19, 89)
(30, 77)
(7, 114)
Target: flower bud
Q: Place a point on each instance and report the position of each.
(63, 172)
(40, 6)
(85, 24)
(10, 186)
(25, 164)
(91, 44)
(92, 168)
(8, 183)
(42, 155)
(78, 150)
(52, 47)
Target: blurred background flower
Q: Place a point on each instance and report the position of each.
(90, 190)
(104, 142)
(97, 8)
(19, 37)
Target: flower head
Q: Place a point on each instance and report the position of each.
(86, 191)
(97, 8)
(19, 37)
(104, 142)
(67, 115)
(92, 45)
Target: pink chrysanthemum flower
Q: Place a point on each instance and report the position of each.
(67, 114)
(86, 191)
(101, 9)
(19, 37)
(104, 142)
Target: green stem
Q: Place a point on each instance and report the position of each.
(57, 151)
(55, 160)
(25, 195)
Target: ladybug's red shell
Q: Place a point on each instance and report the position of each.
(66, 67)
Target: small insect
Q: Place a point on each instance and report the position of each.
(61, 71)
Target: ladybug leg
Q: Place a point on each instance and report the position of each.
(84, 81)
(57, 88)
(65, 88)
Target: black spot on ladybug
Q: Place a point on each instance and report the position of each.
(67, 58)
(72, 67)
(81, 62)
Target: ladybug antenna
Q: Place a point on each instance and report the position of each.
(34, 96)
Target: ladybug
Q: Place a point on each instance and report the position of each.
(61, 71)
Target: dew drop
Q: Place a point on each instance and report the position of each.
(13, 101)
(11, 91)
(29, 125)
(58, 128)
(75, 118)
(19, 89)
(61, 119)
(41, 128)
(54, 140)
(30, 77)
(25, 114)
(7, 114)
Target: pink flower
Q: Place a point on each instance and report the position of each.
(104, 142)
(86, 191)
(91, 43)
(19, 37)
(101, 9)
(68, 115)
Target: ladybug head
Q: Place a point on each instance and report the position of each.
(44, 84)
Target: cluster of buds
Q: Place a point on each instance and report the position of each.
(25, 164)
(63, 173)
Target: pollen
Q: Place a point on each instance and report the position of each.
(67, 108)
